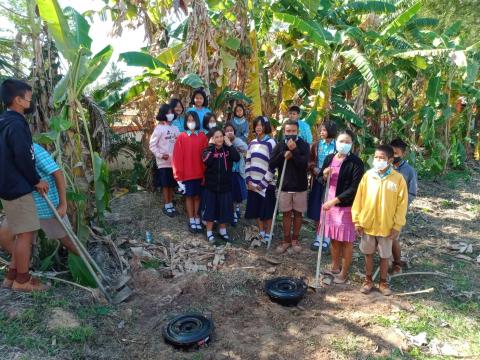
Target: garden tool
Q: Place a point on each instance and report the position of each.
(276, 204)
(322, 233)
(114, 291)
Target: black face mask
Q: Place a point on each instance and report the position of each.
(396, 159)
(290, 137)
(31, 109)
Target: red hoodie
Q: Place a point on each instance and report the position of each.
(187, 156)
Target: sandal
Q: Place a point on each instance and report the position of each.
(264, 239)
(282, 248)
(396, 268)
(384, 288)
(211, 239)
(168, 212)
(367, 285)
(331, 272)
(226, 238)
(198, 228)
(315, 245)
(296, 247)
(192, 227)
(339, 280)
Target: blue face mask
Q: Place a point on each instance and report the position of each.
(343, 148)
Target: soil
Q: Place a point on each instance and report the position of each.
(247, 324)
(250, 326)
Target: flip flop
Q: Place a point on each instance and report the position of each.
(331, 272)
(337, 280)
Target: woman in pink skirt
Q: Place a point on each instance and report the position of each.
(346, 171)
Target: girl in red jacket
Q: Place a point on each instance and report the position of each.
(188, 167)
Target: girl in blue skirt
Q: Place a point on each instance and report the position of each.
(217, 195)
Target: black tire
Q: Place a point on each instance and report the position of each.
(285, 290)
(187, 330)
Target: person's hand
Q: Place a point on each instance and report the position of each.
(316, 171)
(165, 156)
(181, 187)
(328, 205)
(359, 230)
(211, 141)
(288, 155)
(292, 145)
(252, 186)
(327, 172)
(227, 141)
(62, 209)
(394, 234)
(42, 187)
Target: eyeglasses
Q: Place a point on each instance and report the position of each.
(29, 100)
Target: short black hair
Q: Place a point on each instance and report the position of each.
(195, 117)
(230, 124)
(238, 106)
(162, 112)
(174, 102)
(387, 149)
(399, 143)
(206, 119)
(290, 122)
(11, 88)
(267, 128)
(347, 132)
(331, 128)
(294, 108)
(201, 92)
(212, 132)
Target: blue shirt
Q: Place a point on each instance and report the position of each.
(410, 176)
(45, 166)
(304, 131)
(241, 128)
(324, 149)
(179, 123)
(201, 114)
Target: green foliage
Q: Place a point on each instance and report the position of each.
(192, 80)
(79, 271)
(135, 58)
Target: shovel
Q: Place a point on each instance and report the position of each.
(114, 292)
(322, 233)
(276, 204)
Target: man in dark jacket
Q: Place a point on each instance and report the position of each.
(18, 179)
(293, 194)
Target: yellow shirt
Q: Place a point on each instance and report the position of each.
(380, 204)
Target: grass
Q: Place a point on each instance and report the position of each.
(348, 346)
(26, 331)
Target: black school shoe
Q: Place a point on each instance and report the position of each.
(226, 238)
(170, 214)
(192, 228)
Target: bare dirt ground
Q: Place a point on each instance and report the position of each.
(336, 322)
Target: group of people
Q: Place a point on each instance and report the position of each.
(217, 166)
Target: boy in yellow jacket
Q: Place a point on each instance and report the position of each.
(379, 213)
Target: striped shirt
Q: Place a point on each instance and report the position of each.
(257, 168)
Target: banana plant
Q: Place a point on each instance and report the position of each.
(70, 128)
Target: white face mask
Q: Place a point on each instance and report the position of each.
(191, 126)
(380, 165)
(170, 117)
(211, 125)
(343, 148)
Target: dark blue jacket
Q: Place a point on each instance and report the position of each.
(17, 160)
